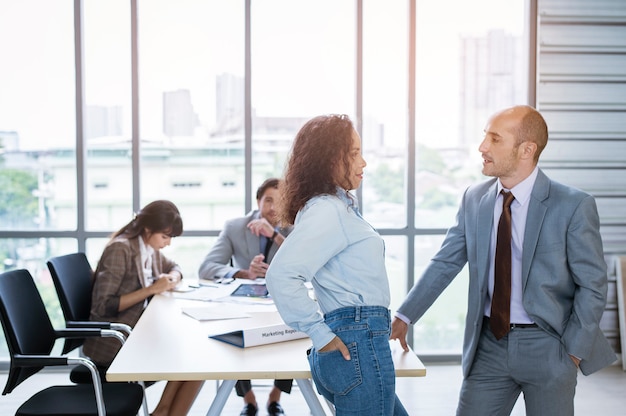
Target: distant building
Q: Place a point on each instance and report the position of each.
(9, 141)
(102, 121)
(179, 118)
(492, 78)
(229, 104)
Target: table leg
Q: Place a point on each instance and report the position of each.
(221, 396)
(310, 397)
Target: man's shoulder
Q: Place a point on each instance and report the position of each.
(547, 188)
(564, 189)
(479, 189)
(240, 222)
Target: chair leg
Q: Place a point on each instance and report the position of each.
(144, 406)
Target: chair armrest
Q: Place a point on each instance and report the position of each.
(48, 360)
(39, 360)
(89, 333)
(118, 326)
(88, 324)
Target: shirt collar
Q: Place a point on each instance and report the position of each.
(145, 249)
(522, 190)
(347, 197)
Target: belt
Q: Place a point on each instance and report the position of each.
(524, 326)
(520, 326)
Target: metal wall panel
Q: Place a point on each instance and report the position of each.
(582, 154)
(596, 181)
(587, 67)
(580, 95)
(584, 124)
(581, 91)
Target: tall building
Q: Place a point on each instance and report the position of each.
(229, 104)
(492, 78)
(9, 141)
(102, 121)
(179, 118)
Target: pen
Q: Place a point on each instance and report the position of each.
(199, 284)
(154, 278)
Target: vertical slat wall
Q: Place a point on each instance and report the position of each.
(581, 91)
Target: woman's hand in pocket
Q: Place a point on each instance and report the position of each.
(337, 344)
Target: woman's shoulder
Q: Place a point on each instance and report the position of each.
(324, 201)
(322, 206)
(119, 241)
(118, 245)
(118, 251)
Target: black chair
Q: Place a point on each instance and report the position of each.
(72, 277)
(30, 338)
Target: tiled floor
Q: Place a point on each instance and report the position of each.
(603, 393)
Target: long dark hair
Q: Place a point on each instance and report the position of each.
(159, 216)
(321, 145)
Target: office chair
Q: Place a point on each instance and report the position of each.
(72, 277)
(30, 338)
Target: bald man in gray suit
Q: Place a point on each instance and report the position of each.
(558, 279)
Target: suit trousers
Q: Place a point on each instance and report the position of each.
(244, 386)
(526, 360)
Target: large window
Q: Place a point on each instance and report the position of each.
(302, 65)
(472, 59)
(108, 105)
(107, 127)
(191, 107)
(37, 117)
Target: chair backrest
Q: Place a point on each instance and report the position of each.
(72, 277)
(26, 324)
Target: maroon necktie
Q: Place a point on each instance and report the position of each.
(501, 299)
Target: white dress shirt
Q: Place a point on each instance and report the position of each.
(519, 211)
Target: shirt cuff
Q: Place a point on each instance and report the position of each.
(403, 318)
(321, 336)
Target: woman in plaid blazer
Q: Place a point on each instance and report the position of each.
(131, 271)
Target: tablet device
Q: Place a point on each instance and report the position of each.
(254, 290)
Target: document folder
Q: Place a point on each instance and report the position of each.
(251, 337)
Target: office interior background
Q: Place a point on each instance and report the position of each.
(108, 105)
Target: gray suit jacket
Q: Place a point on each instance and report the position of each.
(235, 243)
(563, 269)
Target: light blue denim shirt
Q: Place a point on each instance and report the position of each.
(336, 250)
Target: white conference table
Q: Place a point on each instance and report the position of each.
(167, 344)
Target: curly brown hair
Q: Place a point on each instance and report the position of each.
(321, 145)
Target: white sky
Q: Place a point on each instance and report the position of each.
(302, 65)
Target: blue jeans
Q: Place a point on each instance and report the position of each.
(365, 385)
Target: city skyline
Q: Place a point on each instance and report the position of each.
(54, 91)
